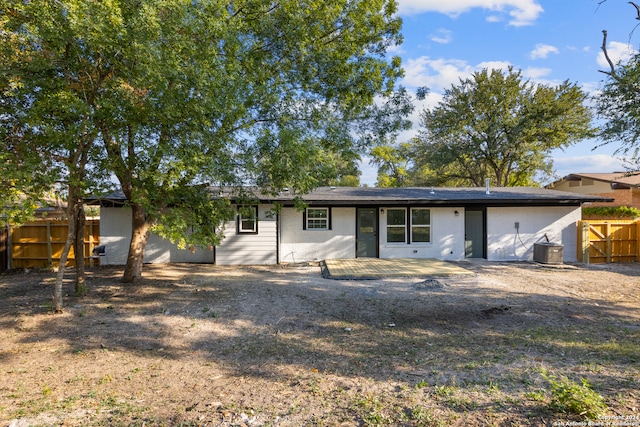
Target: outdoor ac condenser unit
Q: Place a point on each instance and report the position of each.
(547, 253)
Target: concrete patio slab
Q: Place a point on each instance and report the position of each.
(374, 268)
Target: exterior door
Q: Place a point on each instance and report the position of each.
(367, 233)
(474, 234)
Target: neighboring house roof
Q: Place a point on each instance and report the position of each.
(414, 196)
(618, 179)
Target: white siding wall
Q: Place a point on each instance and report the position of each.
(115, 234)
(299, 245)
(558, 223)
(250, 249)
(447, 237)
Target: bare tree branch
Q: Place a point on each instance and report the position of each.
(611, 73)
(637, 9)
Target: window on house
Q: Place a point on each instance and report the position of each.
(317, 219)
(248, 219)
(420, 225)
(396, 225)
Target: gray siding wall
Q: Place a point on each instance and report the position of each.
(505, 243)
(250, 249)
(115, 234)
(315, 245)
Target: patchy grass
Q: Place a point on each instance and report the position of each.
(574, 398)
(515, 344)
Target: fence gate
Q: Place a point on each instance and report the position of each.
(607, 241)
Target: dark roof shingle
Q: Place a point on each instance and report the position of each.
(375, 196)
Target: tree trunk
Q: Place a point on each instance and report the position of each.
(81, 286)
(139, 236)
(71, 235)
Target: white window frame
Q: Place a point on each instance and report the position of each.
(394, 226)
(243, 219)
(313, 223)
(413, 225)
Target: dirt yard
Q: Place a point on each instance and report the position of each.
(202, 345)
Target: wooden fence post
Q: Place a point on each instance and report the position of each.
(609, 248)
(49, 245)
(584, 242)
(10, 246)
(638, 240)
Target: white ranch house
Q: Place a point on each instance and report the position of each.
(499, 224)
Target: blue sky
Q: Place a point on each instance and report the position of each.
(549, 40)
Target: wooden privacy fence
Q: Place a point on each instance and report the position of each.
(39, 244)
(4, 248)
(601, 241)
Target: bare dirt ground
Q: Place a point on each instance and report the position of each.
(207, 345)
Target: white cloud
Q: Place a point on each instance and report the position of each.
(595, 163)
(395, 50)
(439, 74)
(442, 36)
(542, 51)
(493, 65)
(618, 52)
(520, 12)
(592, 88)
(536, 73)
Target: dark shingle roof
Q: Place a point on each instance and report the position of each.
(498, 196)
(374, 196)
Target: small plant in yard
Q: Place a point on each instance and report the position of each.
(372, 412)
(569, 397)
(536, 396)
(444, 390)
(424, 417)
(422, 384)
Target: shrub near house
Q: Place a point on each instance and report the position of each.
(610, 212)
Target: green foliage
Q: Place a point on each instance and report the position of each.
(392, 164)
(26, 176)
(193, 217)
(373, 412)
(177, 94)
(572, 398)
(612, 212)
(497, 125)
(619, 104)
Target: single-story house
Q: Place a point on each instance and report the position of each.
(496, 224)
(622, 187)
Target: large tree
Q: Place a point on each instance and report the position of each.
(185, 94)
(500, 126)
(618, 103)
(46, 119)
(393, 163)
(26, 177)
